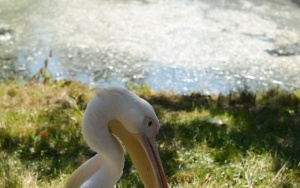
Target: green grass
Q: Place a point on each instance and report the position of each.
(238, 140)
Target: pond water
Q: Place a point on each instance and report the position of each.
(210, 46)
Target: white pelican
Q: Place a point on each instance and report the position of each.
(112, 113)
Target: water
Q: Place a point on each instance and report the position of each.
(209, 46)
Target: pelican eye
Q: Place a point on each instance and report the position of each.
(149, 123)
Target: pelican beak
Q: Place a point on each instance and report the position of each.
(143, 153)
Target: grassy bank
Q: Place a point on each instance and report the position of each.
(238, 140)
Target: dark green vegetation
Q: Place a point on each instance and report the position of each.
(239, 140)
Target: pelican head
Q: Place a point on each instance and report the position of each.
(112, 113)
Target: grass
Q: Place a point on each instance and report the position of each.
(238, 140)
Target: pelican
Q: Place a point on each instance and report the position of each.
(112, 116)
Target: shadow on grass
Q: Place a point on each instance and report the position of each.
(267, 122)
(179, 102)
(270, 122)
